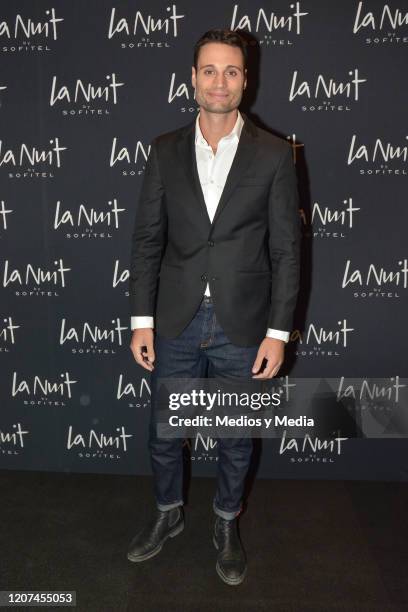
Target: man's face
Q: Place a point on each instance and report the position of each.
(220, 77)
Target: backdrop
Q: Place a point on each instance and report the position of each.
(84, 87)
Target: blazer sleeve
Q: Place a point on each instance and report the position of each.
(148, 239)
(284, 242)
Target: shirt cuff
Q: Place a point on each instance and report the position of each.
(278, 334)
(138, 322)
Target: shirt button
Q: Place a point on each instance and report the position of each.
(210, 243)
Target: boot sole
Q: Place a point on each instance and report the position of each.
(224, 578)
(158, 548)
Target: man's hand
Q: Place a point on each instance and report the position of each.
(143, 337)
(273, 351)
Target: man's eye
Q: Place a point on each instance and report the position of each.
(232, 73)
(207, 71)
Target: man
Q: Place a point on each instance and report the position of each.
(214, 277)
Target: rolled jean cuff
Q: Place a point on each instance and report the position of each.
(226, 515)
(165, 507)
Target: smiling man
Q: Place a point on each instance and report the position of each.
(214, 277)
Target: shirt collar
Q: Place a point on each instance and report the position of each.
(235, 133)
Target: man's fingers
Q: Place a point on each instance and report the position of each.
(150, 353)
(270, 371)
(275, 371)
(148, 358)
(142, 348)
(144, 355)
(139, 354)
(258, 361)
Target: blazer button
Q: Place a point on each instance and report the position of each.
(210, 243)
(204, 277)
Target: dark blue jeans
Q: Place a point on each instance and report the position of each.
(201, 350)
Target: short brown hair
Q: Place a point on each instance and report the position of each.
(227, 37)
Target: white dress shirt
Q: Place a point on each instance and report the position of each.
(213, 170)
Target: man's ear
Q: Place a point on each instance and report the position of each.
(245, 78)
(193, 76)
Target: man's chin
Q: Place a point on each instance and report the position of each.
(217, 107)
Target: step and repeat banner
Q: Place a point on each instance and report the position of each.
(84, 88)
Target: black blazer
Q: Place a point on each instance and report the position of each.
(250, 253)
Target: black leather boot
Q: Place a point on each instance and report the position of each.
(149, 541)
(231, 562)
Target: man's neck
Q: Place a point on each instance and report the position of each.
(215, 126)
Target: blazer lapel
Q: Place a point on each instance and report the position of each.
(186, 150)
(245, 152)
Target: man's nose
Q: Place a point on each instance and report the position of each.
(220, 80)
